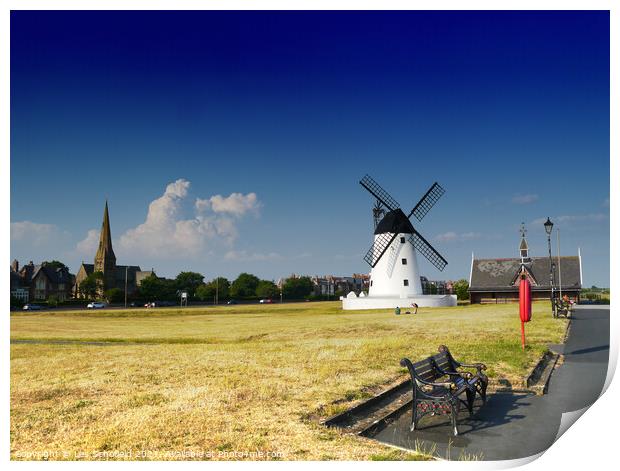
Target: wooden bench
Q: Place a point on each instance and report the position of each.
(439, 383)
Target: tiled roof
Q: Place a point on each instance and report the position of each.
(55, 275)
(496, 274)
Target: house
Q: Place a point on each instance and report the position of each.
(51, 281)
(18, 290)
(496, 280)
(329, 285)
(38, 282)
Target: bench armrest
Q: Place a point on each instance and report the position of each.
(464, 374)
(479, 366)
(429, 383)
(416, 378)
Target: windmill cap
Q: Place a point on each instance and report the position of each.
(395, 222)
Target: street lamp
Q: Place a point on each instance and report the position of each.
(548, 228)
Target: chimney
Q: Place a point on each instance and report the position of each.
(15, 266)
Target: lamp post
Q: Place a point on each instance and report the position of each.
(548, 228)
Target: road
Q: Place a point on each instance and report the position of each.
(518, 425)
(82, 307)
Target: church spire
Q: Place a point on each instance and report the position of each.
(105, 238)
(105, 260)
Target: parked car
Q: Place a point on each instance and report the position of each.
(266, 301)
(231, 302)
(95, 305)
(32, 307)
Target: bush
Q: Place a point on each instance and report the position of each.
(17, 303)
(52, 301)
(461, 289)
(115, 295)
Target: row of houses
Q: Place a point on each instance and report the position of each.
(40, 282)
(330, 285)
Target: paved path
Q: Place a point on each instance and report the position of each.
(518, 425)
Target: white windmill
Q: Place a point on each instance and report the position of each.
(395, 277)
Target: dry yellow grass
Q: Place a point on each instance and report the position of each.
(227, 382)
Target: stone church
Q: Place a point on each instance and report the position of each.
(114, 276)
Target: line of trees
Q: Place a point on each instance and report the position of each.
(245, 286)
(248, 286)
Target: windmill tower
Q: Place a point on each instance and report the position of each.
(392, 256)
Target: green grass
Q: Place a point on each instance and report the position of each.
(238, 378)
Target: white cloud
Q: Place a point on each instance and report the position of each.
(525, 199)
(88, 245)
(237, 204)
(33, 233)
(243, 256)
(166, 233)
(574, 219)
(447, 236)
(453, 236)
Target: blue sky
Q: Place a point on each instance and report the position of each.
(234, 141)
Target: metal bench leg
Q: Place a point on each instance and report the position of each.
(455, 412)
(471, 396)
(484, 382)
(414, 417)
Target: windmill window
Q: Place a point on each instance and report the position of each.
(406, 282)
(370, 282)
(402, 240)
(404, 260)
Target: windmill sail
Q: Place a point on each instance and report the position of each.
(382, 196)
(378, 248)
(427, 201)
(426, 249)
(396, 222)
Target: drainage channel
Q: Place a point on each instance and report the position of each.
(369, 414)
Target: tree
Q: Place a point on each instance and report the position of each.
(207, 291)
(461, 288)
(89, 285)
(267, 289)
(244, 286)
(153, 288)
(115, 295)
(55, 264)
(297, 288)
(189, 281)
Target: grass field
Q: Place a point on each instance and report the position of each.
(227, 381)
